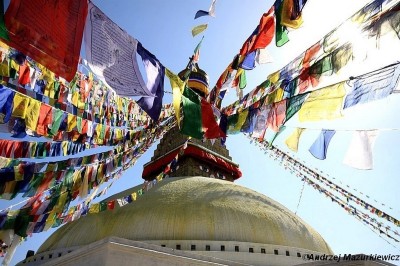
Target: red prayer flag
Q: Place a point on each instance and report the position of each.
(45, 119)
(266, 31)
(262, 35)
(210, 127)
(48, 31)
(277, 115)
(111, 205)
(24, 74)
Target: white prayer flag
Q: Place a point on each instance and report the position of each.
(359, 154)
(111, 53)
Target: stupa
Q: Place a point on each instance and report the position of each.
(195, 216)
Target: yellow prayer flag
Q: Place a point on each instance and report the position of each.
(274, 77)
(3, 45)
(119, 104)
(47, 75)
(71, 122)
(241, 119)
(293, 140)
(199, 29)
(5, 68)
(287, 7)
(18, 174)
(64, 146)
(49, 89)
(238, 73)
(4, 162)
(100, 173)
(134, 196)
(177, 89)
(50, 221)
(159, 177)
(20, 104)
(32, 149)
(77, 181)
(118, 134)
(75, 98)
(98, 139)
(32, 114)
(13, 64)
(95, 208)
(324, 103)
(84, 187)
(275, 96)
(61, 202)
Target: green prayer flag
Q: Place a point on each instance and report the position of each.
(294, 104)
(22, 221)
(192, 124)
(79, 124)
(322, 66)
(57, 119)
(281, 36)
(265, 84)
(242, 80)
(3, 29)
(34, 184)
(40, 149)
(103, 206)
(232, 121)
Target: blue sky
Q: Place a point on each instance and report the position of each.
(164, 28)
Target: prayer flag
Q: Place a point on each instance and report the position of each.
(199, 29)
(276, 115)
(177, 89)
(201, 13)
(209, 126)
(293, 140)
(210, 12)
(324, 103)
(20, 105)
(6, 103)
(3, 29)
(260, 121)
(198, 117)
(266, 30)
(263, 56)
(281, 36)
(248, 125)
(52, 38)
(111, 205)
(95, 208)
(373, 86)
(111, 53)
(320, 146)
(294, 104)
(103, 206)
(359, 154)
(196, 52)
(192, 121)
(290, 16)
(122, 202)
(24, 76)
(155, 83)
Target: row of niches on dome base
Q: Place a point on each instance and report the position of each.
(221, 249)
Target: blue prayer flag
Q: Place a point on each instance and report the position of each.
(373, 86)
(320, 146)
